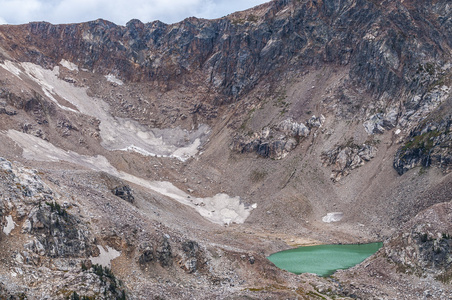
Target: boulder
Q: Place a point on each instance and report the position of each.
(124, 192)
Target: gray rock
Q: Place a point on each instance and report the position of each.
(316, 121)
(345, 158)
(164, 253)
(146, 256)
(427, 145)
(275, 142)
(123, 192)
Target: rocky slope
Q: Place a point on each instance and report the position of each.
(178, 156)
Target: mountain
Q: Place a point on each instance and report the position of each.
(166, 161)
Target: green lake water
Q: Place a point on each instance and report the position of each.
(323, 260)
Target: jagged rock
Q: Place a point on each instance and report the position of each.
(190, 248)
(275, 142)
(371, 49)
(28, 128)
(7, 112)
(316, 121)
(191, 253)
(164, 254)
(58, 233)
(427, 145)
(425, 246)
(123, 192)
(375, 124)
(345, 158)
(146, 256)
(232, 66)
(293, 129)
(251, 259)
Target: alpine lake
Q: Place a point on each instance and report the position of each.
(323, 260)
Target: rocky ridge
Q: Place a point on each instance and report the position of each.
(235, 52)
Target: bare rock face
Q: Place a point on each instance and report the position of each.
(233, 53)
(147, 254)
(191, 256)
(425, 247)
(164, 253)
(55, 232)
(427, 145)
(58, 232)
(344, 158)
(275, 142)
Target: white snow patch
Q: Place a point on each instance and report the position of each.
(182, 153)
(47, 80)
(136, 149)
(105, 257)
(69, 65)
(38, 149)
(113, 79)
(117, 133)
(219, 209)
(10, 224)
(333, 217)
(129, 135)
(11, 67)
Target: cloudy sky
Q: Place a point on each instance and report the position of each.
(117, 11)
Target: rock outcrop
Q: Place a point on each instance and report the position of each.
(275, 142)
(191, 261)
(347, 157)
(123, 192)
(425, 247)
(427, 145)
(58, 233)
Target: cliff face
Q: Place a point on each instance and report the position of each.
(383, 43)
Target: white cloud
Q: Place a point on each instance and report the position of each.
(2, 21)
(12, 10)
(117, 11)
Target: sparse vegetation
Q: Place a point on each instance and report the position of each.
(424, 238)
(428, 68)
(84, 267)
(109, 280)
(258, 175)
(315, 295)
(75, 296)
(446, 236)
(55, 207)
(423, 142)
(238, 21)
(445, 277)
(252, 18)
(282, 103)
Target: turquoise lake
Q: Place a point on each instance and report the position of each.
(323, 260)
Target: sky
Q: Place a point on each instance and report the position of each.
(117, 11)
